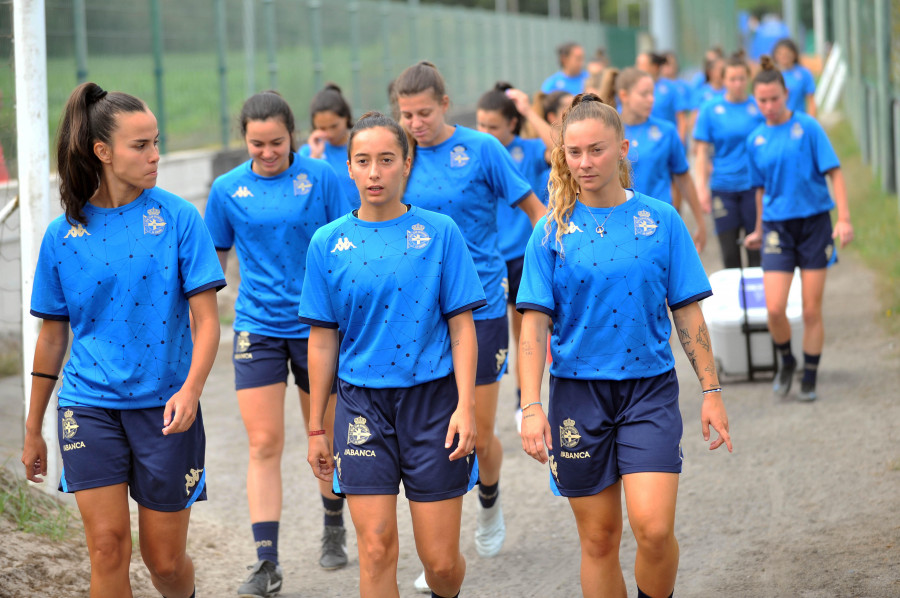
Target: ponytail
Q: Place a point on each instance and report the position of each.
(330, 99)
(768, 73)
(496, 100)
(88, 117)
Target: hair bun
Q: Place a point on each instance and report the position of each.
(331, 85)
(427, 63)
(586, 97)
(503, 86)
(96, 94)
(766, 64)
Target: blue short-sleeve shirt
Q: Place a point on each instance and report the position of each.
(466, 177)
(667, 101)
(390, 288)
(800, 83)
(559, 81)
(790, 162)
(123, 283)
(726, 125)
(656, 153)
(705, 93)
(336, 157)
(607, 296)
(270, 220)
(513, 225)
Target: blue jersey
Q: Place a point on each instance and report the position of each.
(336, 156)
(514, 224)
(800, 83)
(466, 177)
(559, 81)
(790, 161)
(607, 295)
(705, 93)
(726, 125)
(390, 288)
(270, 221)
(667, 102)
(656, 153)
(123, 283)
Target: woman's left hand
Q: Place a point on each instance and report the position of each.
(462, 422)
(712, 413)
(843, 231)
(180, 412)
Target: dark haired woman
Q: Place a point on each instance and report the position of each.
(550, 106)
(466, 175)
(501, 112)
(606, 265)
(669, 104)
(790, 158)
(127, 267)
(800, 84)
(572, 74)
(331, 120)
(399, 284)
(268, 209)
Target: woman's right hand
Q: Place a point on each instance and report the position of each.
(316, 143)
(520, 99)
(536, 438)
(320, 458)
(34, 457)
(753, 240)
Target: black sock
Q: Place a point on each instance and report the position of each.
(518, 398)
(433, 595)
(810, 368)
(488, 494)
(787, 358)
(334, 511)
(643, 595)
(265, 534)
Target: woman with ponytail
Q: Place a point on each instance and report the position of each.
(790, 162)
(605, 266)
(798, 79)
(132, 270)
(331, 120)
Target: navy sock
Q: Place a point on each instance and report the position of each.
(433, 595)
(265, 534)
(488, 494)
(334, 511)
(787, 358)
(518, 398)
(643, 595)
(810, 368)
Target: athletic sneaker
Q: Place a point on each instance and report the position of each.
(264, 581)
(783, 379)
(422, 585)
(334, 547)
(807, 392)
(491, 530)
(518, 417)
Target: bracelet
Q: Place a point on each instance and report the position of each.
(711, 390)
(47, 376)
(530, 404)
(316, 432)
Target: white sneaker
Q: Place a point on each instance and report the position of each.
(491, 531)
(518, 417)
(422, 585)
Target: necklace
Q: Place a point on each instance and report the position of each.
(601, 230)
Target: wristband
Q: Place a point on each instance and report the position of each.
(316, 433)
(47, 376)
(530, 404)
(711, 390)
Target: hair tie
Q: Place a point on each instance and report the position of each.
(97, 95)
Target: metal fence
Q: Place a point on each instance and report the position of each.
(195, 62)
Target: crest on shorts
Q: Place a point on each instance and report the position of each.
(358, 433)
(458, 157)
(153, 222)
(191, 479)
(501, 358)
(796, 131)
(773, 242)
(718, 206)
(69, 425)
(243, 341)
(568, 434)
(643, 224)
(655, 134)
(553, 468)
(337, 463)
(417, 238)
(517, 154)
(302, 186)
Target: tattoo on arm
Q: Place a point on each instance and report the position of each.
(711, 370)
(703, 337)
(692, 356)
(684, 336)
(454, 343)
(528, 348)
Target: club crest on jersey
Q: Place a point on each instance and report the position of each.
(719, 109)
(796, 131)
(69, 425)
(302, 186)
(773, 242)
(358, 433)
(191, 479)
(517, 154)
(417, 238)
(643, 224)
(655, 134)
(752, 110)
(242, 192)
(77, 230)
(553, 468)
(568, 434)
(760, 140)
(343, 244)
(458, 157)
(153, 222)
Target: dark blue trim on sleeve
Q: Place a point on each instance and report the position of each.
(216, 284)
(43, 316)
(223, 248)
(464, 308)
(521, 199)
(318, 323)
(689, 300)
(522, 307)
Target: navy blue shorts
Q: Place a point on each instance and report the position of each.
(493, 349)
(383, 436)
(263, 360)
(103, 447)
(803, 243)
(514, 278)
(604, 429)
(733, 210)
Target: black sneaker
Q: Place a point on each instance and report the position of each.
(334, 547)
(264, 581)
(783, 379)
(807, 392)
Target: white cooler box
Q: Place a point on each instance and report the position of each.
(724, 316)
